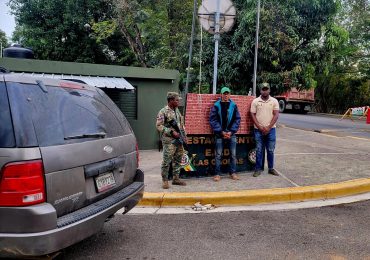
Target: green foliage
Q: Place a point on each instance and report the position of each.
(345, 81)
(3, 39)
(290, 52)
(104, 30)
(56, 30)
(158, 30)
(317, 43)
(338, 92)
(139, 33)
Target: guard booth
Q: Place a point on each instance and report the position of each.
(139, 92)
(200, 161)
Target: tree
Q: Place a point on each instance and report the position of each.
(289, 46)
(355, 18)
(56, 29)
(157, 31)
(3, 39)
(127, 18)
(136, 32)
(317, 43)
(346, 80)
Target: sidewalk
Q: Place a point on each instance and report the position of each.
(311, 166)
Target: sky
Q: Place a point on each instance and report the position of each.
(7, 23)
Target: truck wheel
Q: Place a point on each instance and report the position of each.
(281, 106)
(304, 111)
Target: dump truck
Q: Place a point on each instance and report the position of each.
(296, 100)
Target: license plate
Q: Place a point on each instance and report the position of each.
(105, 182)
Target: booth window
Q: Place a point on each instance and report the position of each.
(125, 99)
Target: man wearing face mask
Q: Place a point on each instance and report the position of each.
(225, 120)
(265, 113)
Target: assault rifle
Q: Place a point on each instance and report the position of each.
(182, 138)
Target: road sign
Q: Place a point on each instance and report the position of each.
(216, 17)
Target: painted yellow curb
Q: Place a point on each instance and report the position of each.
(261, 196)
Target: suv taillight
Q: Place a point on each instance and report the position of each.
(137, 156)
(22, 184)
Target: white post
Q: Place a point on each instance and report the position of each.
(256, 50)
(217, 38)
(191, 48)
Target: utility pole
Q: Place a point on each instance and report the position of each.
(256, 50)
(217, 39)
(191, 47)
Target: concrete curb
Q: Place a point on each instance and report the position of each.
(261, 196)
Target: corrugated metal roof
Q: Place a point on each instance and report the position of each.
(96, 81)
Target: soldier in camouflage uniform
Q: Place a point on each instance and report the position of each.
(173, 150)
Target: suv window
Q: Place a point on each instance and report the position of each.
(62, 115)
(6, 126)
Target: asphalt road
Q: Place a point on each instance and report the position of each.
(327, 124)
(333, 232)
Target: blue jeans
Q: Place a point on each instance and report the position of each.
(231, 144)
(265, 142)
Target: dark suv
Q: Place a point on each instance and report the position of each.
(68, 161)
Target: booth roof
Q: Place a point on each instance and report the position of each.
(96, 81)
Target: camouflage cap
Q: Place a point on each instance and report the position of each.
(171, 95)
(265, 85)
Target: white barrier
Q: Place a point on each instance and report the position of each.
(356, 111)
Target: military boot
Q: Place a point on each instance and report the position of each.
(165, 185)
(176, 181)
(273, 172)
(257, 173)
